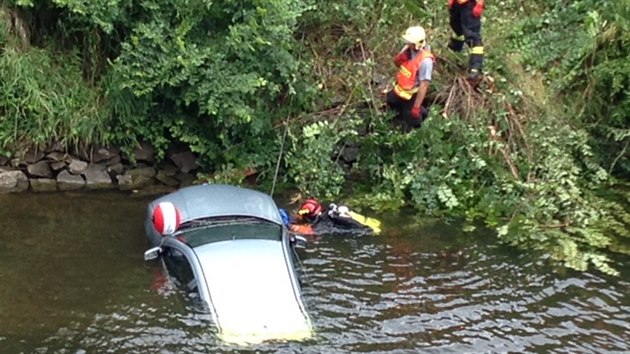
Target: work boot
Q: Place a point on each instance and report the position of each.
(475, 75)
(475, 64)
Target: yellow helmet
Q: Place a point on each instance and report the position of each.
(415, 35)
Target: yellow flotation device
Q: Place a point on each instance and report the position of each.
(372, 223)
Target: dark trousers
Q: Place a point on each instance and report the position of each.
(403, 111)
(465, 24)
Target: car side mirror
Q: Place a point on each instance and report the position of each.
(300, 241)
(152, 253)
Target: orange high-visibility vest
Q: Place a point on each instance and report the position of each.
(405, 85)
(451, 2)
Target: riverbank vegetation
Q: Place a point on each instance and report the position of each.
(286, 87)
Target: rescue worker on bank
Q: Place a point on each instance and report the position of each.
(465, 21)
(415, 66)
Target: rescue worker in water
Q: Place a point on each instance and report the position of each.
(415, 66)
(465, 21)
(313, 219)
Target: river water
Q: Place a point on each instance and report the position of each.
(74, 281)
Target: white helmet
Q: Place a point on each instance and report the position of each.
(415, 35)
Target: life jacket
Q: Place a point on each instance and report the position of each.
(405, 85)
(302, 229)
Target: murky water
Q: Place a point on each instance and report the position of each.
(74, 281)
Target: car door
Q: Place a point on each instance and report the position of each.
(184, 269)
(179, 269)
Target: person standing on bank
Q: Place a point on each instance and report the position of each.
(415, 66)
(465, 21)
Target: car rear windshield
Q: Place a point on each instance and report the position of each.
(208, 231)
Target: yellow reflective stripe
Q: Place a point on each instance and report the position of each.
(404, 94)
(405, 71)
(459, 38)
(476, 50)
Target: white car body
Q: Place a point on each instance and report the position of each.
(234, 251)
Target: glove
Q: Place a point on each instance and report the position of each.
(401, 58)
(415, 112)
(478, 9)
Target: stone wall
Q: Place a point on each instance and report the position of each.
(101, 168)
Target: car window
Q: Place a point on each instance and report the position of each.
(232, 230)
(179, 269)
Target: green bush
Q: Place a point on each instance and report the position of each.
(215, 77)
(582, 48)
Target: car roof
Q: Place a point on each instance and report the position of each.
(215, 200)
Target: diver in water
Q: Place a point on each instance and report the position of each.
(313, 219)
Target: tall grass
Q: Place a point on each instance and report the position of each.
(44, 98)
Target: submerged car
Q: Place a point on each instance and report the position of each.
(229, 245)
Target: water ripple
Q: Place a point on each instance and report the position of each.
(410, 290)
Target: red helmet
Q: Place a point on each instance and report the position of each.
(310, 209)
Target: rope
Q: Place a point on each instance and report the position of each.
(275, 175)
(302, 269)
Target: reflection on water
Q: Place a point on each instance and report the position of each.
(74, 281)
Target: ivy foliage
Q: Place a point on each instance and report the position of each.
(309, 162)
(582, 48)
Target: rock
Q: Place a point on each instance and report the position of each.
(67, 181)
(33, 155)
(105, 153)
(43, 185)
(350, 154)
(185, 179)
(168, 169)
(136, 178)
(166, 172)
(40, 169)
(185, 161)
(143, 171)
(165, 177)
(145, 152)
(96, 177)
(76, 166)
(57, 165)
(57, 156)
(12, 181)
(116, 169)
(114, 160)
